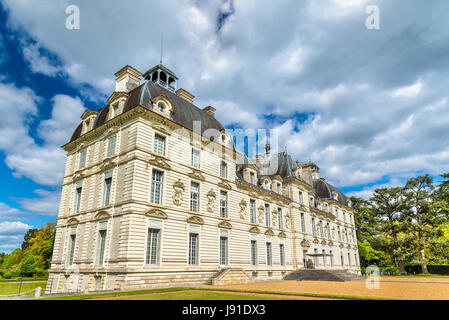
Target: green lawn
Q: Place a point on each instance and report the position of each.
(198, 295)
(12, 287)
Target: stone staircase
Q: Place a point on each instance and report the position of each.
(230, 276)
(323, 275)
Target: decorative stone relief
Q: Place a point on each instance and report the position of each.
(269, 232)
(274, 215)
(282, 234)
(305, 243)
(287, 221)
(323, 242)
(243, 204)
(211, 196)
(261, 210)
(159, 162)
(224, 184)
(196, 174)
(156, 213)
(178, 187)
(316, 241)
(333, 233)
(254, 230)
(225, 225)
(195, 220)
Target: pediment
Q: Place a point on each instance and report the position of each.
(282, 234)
(195, 220)
(116, 95)
(305, 244)
(73, 221)
(108, 163)
(224, 225)
(330, 243)
(224, 184)
(159, 162)
(156, 213)
(324, 242)
(102, 215)
(269, 232)
(197, 175)
(254, 230)
(316, 241)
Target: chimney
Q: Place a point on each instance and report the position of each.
(210, 110)
(127, 78)
(185, 95)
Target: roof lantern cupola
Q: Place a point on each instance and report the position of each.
(162, 76)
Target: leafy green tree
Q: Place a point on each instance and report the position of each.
(11, 260)
(425, 220)
(389, 206)
(27, 237)
(28, 266)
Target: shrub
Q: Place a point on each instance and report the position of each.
(28, 266)
(390, 270)
(7, 275)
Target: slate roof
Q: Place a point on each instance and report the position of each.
(184, 112)
(325, 190)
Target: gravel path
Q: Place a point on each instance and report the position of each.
(414, 289)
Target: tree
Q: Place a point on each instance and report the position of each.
(389, 206)
(426, 218)
(41, 245)
(10, 261)
(28, 266)
(27, 237)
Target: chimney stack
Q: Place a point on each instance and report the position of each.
(185, 95)
(210, 110)
(127, 78)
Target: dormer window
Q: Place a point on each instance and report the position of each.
(266, 184)
(278, 187)
(162, 106)
(252, 177)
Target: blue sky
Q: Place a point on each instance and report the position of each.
(368, 106)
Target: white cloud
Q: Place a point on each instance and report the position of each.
(7, 212)
(38, 62)
(13, 227)
(42, 163)
(46, 204)
(371, 116)
(408, 91)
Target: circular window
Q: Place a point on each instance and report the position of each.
(162, 106)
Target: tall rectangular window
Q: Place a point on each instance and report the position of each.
(223, 251)
(252, 211)
(324, 258)
(342, 261)
(196, 156)
(72, 243)
(111, 146)
(303, 223)
(328, 231)
(282, 254)
(339, 234)
(101, 246)
(193, 248)
(82, 162)
(315, 257)
(300, 200)
(194, 196)
(331, 258)
(253, 252)
(115, 110)
(159, 144)
(269, 254)
(267, 215)
(223, 170)
(107, 188)
(321, 229)
(156, 187)
(349, 259)
(280, 219)
(153, 246)
(252, 177)
(78, 193)
(313, 227)
(278, 188)
(223, 204)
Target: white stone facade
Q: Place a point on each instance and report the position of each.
(113, 234)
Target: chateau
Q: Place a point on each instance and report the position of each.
(155, 194)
